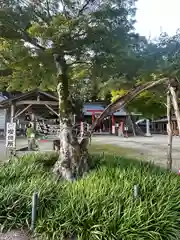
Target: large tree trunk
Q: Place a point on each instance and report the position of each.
(169, 131)
(175, 106)
(73, 157)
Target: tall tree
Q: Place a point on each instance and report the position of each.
(152, 60)
(48, 40)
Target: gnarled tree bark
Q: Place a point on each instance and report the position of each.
(169, 130)
(73, 156)
(173, 91)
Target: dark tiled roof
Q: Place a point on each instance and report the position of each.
(23, 96)
(164, 120)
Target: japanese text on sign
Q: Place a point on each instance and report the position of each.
(11, 135)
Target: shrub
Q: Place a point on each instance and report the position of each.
(99, 206)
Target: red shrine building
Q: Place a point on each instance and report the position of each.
(92, 110)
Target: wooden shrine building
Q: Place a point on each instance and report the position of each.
(30, 105)
(93, 109)
(160, 126)
(36, 104)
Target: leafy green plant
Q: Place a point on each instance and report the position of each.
(99, 206)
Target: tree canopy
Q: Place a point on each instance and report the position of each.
(103, 54)
(157, 59)
(92, 35)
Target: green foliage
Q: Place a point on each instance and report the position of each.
(27, 72)
(100, 206)
(91, 36)
(96, 41)
(155, 60)
(149, 103)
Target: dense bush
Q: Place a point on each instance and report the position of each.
(100, 206)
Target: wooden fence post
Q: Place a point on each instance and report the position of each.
(169, 130)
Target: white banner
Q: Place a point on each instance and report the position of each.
(11, 135)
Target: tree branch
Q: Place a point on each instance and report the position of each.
(23, 33)
(85, 6)
(48, 9)
(37, 14)
(32, 41)
(122, 101)
(78, 62)
(64, 9)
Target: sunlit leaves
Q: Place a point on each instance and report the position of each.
(95, 44)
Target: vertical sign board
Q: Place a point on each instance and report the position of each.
(11, 136)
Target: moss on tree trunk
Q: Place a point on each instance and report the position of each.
(73, 155)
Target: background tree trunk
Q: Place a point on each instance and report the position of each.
(132, 123)
(176, 107)
(73, 155)
(169, 130)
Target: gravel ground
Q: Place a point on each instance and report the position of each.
(15, 235)
(151, 148)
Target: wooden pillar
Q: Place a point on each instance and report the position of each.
(12, 113)
(6, 120)
(113, 124)
(161, 128)
(109, 120)
(92, 118)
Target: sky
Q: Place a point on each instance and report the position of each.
(155, 16)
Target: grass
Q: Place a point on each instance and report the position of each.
(98, 207)
(110, 149)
